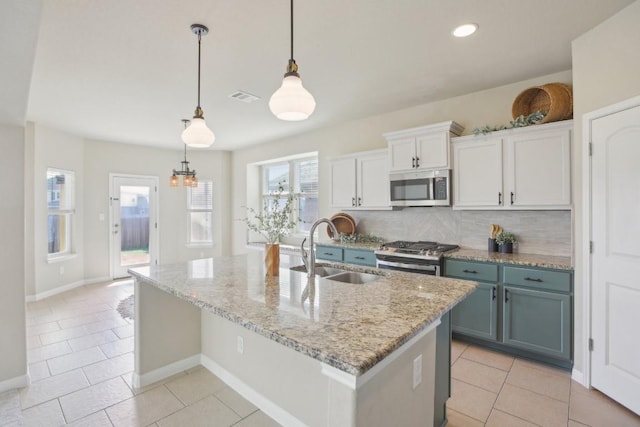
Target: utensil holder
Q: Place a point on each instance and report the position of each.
(492, 246)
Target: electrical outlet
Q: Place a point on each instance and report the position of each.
(240, 344)
(417, 371)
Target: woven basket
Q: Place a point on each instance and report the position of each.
(344, 223)
(554, 98)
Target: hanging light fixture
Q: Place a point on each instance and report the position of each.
(188, 175)
(292, 101)
(198, 134)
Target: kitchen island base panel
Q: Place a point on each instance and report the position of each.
(275, 377)
(167, 335)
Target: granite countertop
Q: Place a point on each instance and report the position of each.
(350, 327)
(530, 260)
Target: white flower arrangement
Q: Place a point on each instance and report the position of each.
(274, 221)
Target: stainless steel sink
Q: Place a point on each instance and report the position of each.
(320, 270)
(353, 277)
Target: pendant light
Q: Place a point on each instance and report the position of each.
(188, 175)
(292, 101)
(198, 134)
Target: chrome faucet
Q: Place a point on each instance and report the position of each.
(309, 259)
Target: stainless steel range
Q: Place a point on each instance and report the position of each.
(413, 257)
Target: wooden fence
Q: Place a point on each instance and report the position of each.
(134, 233)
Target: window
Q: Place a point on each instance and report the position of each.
(299, 176)
(60, 211)
(200, 213)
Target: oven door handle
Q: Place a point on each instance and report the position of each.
(435, 268)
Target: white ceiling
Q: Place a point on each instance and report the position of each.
(125, 70)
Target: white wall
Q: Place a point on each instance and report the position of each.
(13, 346)
(52, 148)
(606, 70)
(489, 107)
(102, 158)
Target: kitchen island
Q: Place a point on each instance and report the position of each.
(306, 351)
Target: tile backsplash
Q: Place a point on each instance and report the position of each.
(538, 232)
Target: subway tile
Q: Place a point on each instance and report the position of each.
(109, 368)
(75, 360)
(145, 408)
(532, 407)
(477, 374)
(95, 398)
(52, 388)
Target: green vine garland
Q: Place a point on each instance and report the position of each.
(518, 122)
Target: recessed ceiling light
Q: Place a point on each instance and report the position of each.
(465, 30)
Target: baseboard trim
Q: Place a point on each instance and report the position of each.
(14, 383)
(266, 405)
(65, 288)
(160, 374)
(578, 377)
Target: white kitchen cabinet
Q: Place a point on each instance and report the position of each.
(360, 181)
(525, 168)
(425, 147)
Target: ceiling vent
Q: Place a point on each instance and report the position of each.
(243, 96)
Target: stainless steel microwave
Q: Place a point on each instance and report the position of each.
(420, 188)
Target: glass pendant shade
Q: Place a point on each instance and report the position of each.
(198, 135)
(292, 101)
(173, 181)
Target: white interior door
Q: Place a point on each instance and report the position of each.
(134, 222)
(615, 213)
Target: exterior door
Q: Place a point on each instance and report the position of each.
(133, 223)
(615, 233)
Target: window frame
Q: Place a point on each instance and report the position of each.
(190, 210)
(293, 185)
(68, 213)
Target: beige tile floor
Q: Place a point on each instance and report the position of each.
(80, 362)
(80, 355)
(494, 389)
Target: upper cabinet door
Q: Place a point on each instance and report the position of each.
(343, 183)
(373, 181)
(538, 169)
(402, 154)
(432, 151)
(477, 173)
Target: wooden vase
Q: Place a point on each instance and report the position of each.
(272, 259)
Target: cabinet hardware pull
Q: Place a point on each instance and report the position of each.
(417, 162)
(353, 201)
(359, 201)
(499, 198)
(413, 162)
(493, 293)
(533, 280)
(328, 253)
(359, 257)
(512, 197)
(469, 271)
(506, 295)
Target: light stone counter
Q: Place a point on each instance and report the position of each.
(530, 260)
(347, 326)
(371, 246)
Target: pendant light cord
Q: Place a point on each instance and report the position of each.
(199, 37)
(292, 30)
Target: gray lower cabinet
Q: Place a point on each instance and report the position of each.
(524, 310)
(477, 315)
(537, 321)
(348, 255)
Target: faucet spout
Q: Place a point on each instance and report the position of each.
(311, 259)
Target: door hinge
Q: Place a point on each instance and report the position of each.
(590, 246)
(156, 225)
(156, 188)
(590, 344)
(591, 149)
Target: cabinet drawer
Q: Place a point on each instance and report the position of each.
(358, 256)
(485, 272)
(331, 253)
(537, 278)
